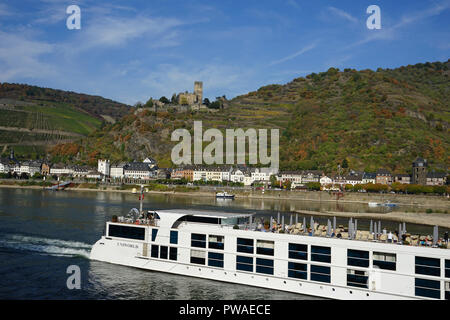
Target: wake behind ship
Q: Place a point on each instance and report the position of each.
(231, 248)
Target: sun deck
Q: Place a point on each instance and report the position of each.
(245, 221)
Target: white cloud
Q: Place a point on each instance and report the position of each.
(168, 79)
(5, 10)
(292, 56)
(343, 14)
(391, 32)
(293, 3)
(20, 57)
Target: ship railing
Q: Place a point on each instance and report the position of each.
(144, 222)
(365, 236)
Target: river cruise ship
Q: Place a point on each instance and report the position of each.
(230, 247)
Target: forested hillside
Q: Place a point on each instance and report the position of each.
(370, 119)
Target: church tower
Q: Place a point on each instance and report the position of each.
(419, 171)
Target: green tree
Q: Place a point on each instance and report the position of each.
(345, 164)
(149, 103)
(164, 100)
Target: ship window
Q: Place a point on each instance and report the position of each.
(321, 273)
(386, 261)
(136, 233)
(163, 252)
(244, 263)
(298, 251)
(154, 233)
(264, 266)
(357, 258)
(155, 251)
(198, 240)
(321, 254)
(297, 270)
(245, 245)
(215, 242)
(215, 259)
(197, 257)
(447, 290)
(428, 288)
(173, 253)
(357, 278)
(265, 247)
(428, 266)
(174, 237)
(447, 268)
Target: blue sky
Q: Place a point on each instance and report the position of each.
(132, 50)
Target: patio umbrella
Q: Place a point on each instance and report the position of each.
(404, 227)
(356, 225)
(334, 224)
(290, 221)
(271, 222)
(435, 235)
(282, 222)
(328, 227)
(296, 218)
(278, 218)
(304, 224)
(371, 227)
(311, 223)
(350, 229)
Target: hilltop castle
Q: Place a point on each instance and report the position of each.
(195, 98)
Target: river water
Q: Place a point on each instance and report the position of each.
(42, 233)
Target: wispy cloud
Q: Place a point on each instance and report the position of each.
(5, 10)
(343, 14)
(294, 55)
(21, 57)
(390, 33)
(294, 4)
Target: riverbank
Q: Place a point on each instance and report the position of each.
(439, 204)
(424, 201)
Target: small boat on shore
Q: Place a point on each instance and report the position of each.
(374, 204)
(387, 203)
(224, 195)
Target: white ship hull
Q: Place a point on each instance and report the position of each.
(381, 284)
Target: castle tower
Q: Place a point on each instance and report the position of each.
(419, 171)
(198, 91)
(103, 167)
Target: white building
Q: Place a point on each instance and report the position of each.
(369, 178)
(237, 175)
(136, 170)
(213, 174)
(226, 173)
(199, 173)
(325, 180)
(150, 161)
(104, 167)
(4, 165)
(117, 170)
(60, 169)
(295, 177)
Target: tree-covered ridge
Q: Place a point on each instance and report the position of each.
(370, 119)
(373, 119)
(94, 105)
